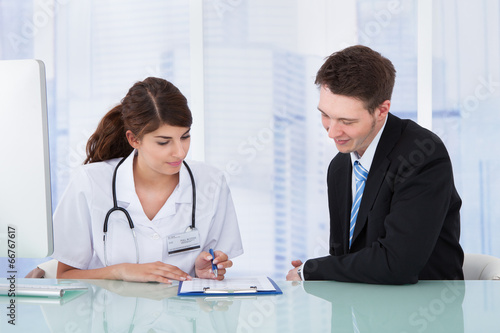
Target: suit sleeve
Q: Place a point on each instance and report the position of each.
(411, 208)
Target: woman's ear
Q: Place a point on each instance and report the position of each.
(132, 140)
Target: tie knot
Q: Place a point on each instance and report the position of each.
(359, 172)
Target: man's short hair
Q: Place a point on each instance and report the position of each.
(358, 72)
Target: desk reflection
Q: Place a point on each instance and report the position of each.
(423, 307)
(116, 306)
(311, 306)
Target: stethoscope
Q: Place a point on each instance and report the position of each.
(127, 215)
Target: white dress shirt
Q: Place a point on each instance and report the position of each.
(79, 218)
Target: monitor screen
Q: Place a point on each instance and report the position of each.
(25, 196)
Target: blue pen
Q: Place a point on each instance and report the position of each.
(214, 267)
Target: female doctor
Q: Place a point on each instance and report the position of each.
(132, 212)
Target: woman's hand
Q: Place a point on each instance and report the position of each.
(150, 272)
(203, 265)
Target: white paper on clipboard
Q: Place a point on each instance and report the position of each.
(261, 283)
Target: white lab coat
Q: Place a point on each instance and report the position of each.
(79, 218)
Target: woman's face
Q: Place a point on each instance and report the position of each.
(161, 152)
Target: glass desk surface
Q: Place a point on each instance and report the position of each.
(116, 306)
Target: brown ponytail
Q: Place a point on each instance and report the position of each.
(147, 105)
(109, 140)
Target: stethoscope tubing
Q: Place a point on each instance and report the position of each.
(127, 215)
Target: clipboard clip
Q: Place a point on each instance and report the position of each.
(208, 290)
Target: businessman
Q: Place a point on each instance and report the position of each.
(394, 209)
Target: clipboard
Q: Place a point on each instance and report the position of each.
(253, 286)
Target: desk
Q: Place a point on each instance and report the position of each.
(116, 306)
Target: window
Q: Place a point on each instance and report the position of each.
(259, 122)
(466, 99)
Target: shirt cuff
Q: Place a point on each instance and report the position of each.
(301, 271)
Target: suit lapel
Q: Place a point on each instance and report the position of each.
(378, 170)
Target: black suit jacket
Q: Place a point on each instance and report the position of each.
(408, 224)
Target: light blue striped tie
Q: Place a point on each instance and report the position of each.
(360, 174)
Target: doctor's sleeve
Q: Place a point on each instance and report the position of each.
(224, 233)
(72, 229)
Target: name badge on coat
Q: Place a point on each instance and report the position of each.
(183, 242)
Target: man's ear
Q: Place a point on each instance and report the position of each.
(132, 140)
(384, 109)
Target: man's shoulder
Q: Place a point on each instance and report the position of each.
(412, 129)
(341, 158)
(415, 139)
(340, 161)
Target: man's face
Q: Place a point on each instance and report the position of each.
(348, 122)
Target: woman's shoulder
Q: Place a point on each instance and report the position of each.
(204, 170)
(97, 170)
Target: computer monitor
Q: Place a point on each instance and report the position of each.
(25, 196)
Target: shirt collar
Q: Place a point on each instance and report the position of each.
(125, 186)
(367, 158)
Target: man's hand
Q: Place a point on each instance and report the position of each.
(293, 275)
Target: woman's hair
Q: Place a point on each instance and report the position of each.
(148, 105)
(358, 72)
